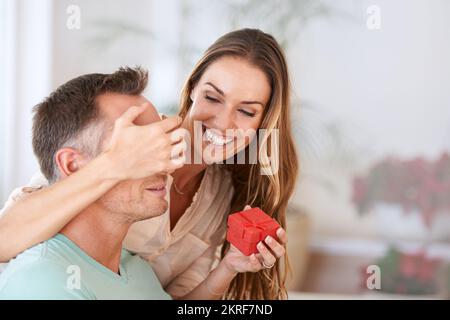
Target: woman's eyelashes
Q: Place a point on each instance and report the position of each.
(215, 100)
(248, 114)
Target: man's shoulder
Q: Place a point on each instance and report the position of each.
(38, 279)
(53, 251)
(39, 273)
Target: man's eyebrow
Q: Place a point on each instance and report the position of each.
(217, 89)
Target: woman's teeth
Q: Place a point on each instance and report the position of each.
(216, 139)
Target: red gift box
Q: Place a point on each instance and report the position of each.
(247, 228)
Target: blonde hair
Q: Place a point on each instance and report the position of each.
(269, 192)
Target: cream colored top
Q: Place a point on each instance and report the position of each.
(183, 257)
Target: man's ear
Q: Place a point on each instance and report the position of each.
(69, 161)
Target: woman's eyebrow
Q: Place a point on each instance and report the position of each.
(243, 102)
(252, 102)
(217, 89)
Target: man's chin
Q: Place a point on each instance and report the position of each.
(164, 207)
(157, 207)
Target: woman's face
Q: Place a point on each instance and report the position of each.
(228, 100)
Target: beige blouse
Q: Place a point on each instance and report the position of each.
(183, 257)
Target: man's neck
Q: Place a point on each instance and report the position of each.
(100, 234)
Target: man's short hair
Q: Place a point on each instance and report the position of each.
(69, 117)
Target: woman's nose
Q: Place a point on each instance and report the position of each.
(223, 121)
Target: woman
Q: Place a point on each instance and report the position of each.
(241, 82)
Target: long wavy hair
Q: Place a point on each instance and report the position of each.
(270, 192)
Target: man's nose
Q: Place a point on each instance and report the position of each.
(159, 177)
(162, 176)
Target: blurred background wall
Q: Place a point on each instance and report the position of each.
(371, 112)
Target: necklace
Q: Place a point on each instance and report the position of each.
(176, 188)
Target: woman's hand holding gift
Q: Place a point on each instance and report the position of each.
(269, 251)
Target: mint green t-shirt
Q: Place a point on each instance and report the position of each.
(59, 269)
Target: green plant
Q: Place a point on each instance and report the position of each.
(408, 273)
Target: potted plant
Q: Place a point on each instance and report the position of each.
(405, 193)
(408, 274)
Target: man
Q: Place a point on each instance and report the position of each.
(86, 260)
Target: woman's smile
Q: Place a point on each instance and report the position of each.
(214, 137)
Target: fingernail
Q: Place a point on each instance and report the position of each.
(260, 245)
(268, 239)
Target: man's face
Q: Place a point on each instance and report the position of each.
(135, 199)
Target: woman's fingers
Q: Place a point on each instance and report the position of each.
(178, 150)
(178, 135)
(247, 207)
(266, 255)
(131, 114)
(269, 251)
(151, 145)
(169, 123)
(254, 264)
(176, 163)
(282, 236)
(277, 248)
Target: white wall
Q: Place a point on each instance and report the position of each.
(26, 57)
(389, 86)
(6, 58)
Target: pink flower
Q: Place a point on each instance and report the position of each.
(412, 184)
